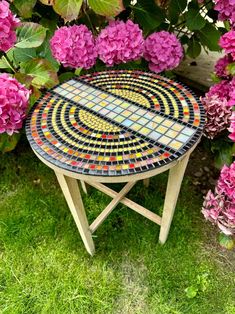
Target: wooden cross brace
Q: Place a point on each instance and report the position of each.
(72, 195)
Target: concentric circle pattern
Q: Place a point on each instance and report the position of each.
(115, 123)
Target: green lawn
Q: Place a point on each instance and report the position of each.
(44, 267)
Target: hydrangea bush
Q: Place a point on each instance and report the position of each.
(43, 42)
(219, 104)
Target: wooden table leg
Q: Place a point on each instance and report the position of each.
(146, 182)
(175, 178)
(71, 191)
(84, 186)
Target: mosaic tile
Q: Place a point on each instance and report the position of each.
(117, 122)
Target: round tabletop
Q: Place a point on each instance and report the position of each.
(115, 123)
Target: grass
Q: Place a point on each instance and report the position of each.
(44, 267)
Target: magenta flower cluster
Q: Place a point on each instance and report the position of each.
(218, 115)
(217, 108)
(227, 42)
(226, 9)
(219, 207)
(231, 128)
(8, 24)
(221, 67)
(13, 104)
(120, 42)
(163, 51)
(74, 46)
(221, 97)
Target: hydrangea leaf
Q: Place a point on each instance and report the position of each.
(209, 37)
(65, 76)
(23, 55)
(30, 35)
(41, 71)
(8, 143)
(4, 64)
(68, 9)
(226, 241)
(25, 7)
(107, 7)
(194, 48)
(175, 8)
(194, 20)
(148, 14)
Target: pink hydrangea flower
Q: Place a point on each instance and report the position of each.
(232, 92)
(226, 10)
(226, 182)
(220, 210)
(74, 46)
(163, 51)
(120, 42)
(218, 114)
(231, 128)
(220, 66)
(13, 104)
(8, 24)
(221, 89)
(227, 42)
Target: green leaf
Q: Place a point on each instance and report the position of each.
(68, 9)
(184, 39)
(23, 55)
(215, 78)
(194, 48)
(223, 156)
(107, 7)
(191, 292)
(194, 20)
(25, 7)
(4, 64)
(30, 35)
(7, 142)
(231, 68)
(209, 37)
(226, 241)
(65, 76)
(44, 52)
(78, 71)
(176, 7)
(41, 71)
(148, 14)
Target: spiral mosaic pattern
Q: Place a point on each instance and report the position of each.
(115, 123)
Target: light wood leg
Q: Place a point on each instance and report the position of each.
(72, 195)
(175, 178)
(84, 186)
(146, 182)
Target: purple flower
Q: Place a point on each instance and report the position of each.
(120, 42)
(220, 66)
(8, 23)
(163, 51)
(221, 89)
(220, 210)
(231, 128)
(74, 46)
(13, 104)
(232, 92)
(227, 42)
(218, 114)
(226, 182)
(226, 10)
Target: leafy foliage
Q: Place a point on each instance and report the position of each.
(31, 61)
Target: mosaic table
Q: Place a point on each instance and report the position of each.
(116, 126)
